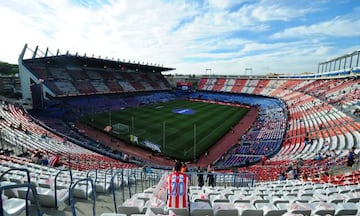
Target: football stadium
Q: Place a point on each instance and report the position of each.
(83, 134)
(117, 128)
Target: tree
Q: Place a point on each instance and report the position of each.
(8, 69)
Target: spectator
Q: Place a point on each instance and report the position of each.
(290, 167)
(54, 161)
(327, 154)
(247, 163)
(178, 184)
(296, 172)
(126, 157)
(263, 159)
(357, 157)
(44, 160)
(332, 157)
(304, 176)
(351, 157)
(318, 157)
(144, 169)
(290, 174)
(282, 175)
(35, 158)
(300, 162)
(148, 169)
(183, 168)
(200, 176)
(20, 128)
(306, 141)
(357, 111)
(210, 176)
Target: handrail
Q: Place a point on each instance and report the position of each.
(113, 186)
(72, 202)
(106, 172)
(19, 169)
(133, 173)
(55, 184)
(87, 176)
(96, 176)
(237, 179)
(142, 179)
(90, 171)
(28, 185)
(129, 182)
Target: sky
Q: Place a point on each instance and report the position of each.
(228, 37)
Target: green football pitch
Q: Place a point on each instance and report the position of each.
(180, 129)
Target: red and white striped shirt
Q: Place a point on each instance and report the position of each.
(54, 161)
(178, 190)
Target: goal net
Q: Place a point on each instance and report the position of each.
(119, 128)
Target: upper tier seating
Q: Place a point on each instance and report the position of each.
(314, 124)
(80, 80)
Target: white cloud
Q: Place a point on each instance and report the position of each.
(276, 12)
(278, 57)
(339, 27)
(220, 4)
(167, 32)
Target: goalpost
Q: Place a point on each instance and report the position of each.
(120, 128)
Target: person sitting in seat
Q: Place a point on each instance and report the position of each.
(351, 156)
(55, 161)
(35, 158)
(318, 157)
(44, 160)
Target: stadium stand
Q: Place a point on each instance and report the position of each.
(17, 126)
(263, 198)
(59, 81)
(299, 119)
(266, 134)
(303, 98)
(315, 124)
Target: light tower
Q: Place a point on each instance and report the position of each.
(208, 70)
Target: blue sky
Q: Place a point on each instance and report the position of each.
(270, 36)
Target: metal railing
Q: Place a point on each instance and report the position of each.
(29, 187)
(71, 198)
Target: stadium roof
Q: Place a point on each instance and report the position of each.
(43, 57)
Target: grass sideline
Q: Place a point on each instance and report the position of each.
(210, 122)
